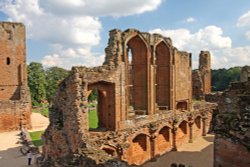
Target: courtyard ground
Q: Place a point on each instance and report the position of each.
(10, 155)
(196, 154)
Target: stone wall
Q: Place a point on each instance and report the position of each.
(144, 98)
(15, 104)
(232, 140)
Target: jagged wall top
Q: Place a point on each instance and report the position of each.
(118, 40)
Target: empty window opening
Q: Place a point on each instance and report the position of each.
(162, 85)
(137, 77)
(182, 106)
(8, 61)
(93, 110)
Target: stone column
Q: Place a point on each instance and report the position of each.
(152, 146)
(190, 124)
(174, 132)
(204, 124)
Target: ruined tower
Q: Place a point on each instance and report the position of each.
(201, 78)
(205, 70)
(15, 104)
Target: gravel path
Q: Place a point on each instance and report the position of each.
(10, 156)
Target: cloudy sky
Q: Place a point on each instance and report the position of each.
(75, 32)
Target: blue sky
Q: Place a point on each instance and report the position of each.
(66, 32)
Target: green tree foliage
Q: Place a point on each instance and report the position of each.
(93, 96)
(36, 82)
(54, 76)
(221, 78)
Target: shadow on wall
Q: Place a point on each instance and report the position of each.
(202, 158)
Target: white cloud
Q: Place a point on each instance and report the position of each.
(70, 26)
(190, 20)
(244, 20)
(209, 38)
(100, 7)
(248, 35)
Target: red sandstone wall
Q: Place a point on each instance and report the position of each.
(183, 74)
(230, 154)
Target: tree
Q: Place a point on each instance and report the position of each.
(36, 82)
(54, 76)
(221, 78)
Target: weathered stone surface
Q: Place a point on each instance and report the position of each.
(232, 140)
(144, 105)
(15, 103)
(201, 78)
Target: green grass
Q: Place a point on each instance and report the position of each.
(93, 119)
(36, 138)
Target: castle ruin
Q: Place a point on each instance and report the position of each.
(145, 104)
(15, 103)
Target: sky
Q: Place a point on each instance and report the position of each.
(67, 33)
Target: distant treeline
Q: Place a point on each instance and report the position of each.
(43, 82)
(221, 78)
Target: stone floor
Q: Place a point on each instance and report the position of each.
(196, 154)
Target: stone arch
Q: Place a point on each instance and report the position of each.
(182, 105)
(137, 74)
(110, 150)
(162, 80)
(197, 126)
(182, 135)
(105, 105)
(139, 150)
(163, 140)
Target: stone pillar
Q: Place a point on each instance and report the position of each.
(174, 132)
(190, 124)
(204, 124)
(152, 146)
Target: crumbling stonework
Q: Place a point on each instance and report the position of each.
(201, 78)
(245, 74)
(232, 140)
(15, 103)
(144, 105)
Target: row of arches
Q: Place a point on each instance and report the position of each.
(144, 147)
(148, 75)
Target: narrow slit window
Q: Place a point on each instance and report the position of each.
(8, 61)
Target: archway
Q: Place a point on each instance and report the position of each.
(136, 63)
(182, 105)
(139, 150)
(163, 140)
(197, 127)
(105, 108)
(182, 133)
(162, 76)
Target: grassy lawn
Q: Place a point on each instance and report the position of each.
(93, 119)
(36, 138)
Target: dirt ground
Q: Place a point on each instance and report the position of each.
(196, 154)
(10, 155)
